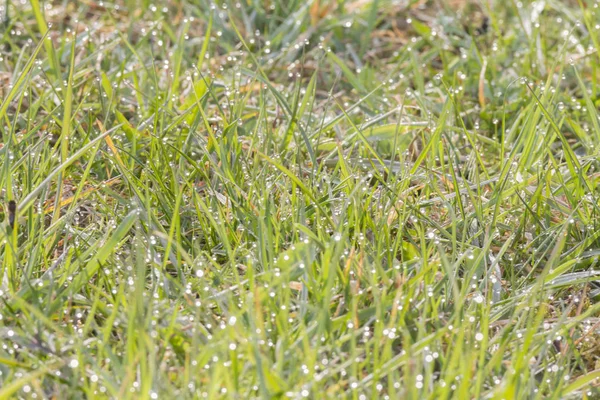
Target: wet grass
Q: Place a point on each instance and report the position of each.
(281, 199)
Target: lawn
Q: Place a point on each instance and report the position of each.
(363, 199)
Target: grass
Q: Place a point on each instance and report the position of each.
(287, 199)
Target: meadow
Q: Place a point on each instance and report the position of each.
(362, 199)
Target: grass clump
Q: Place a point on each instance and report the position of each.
(281, 199)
